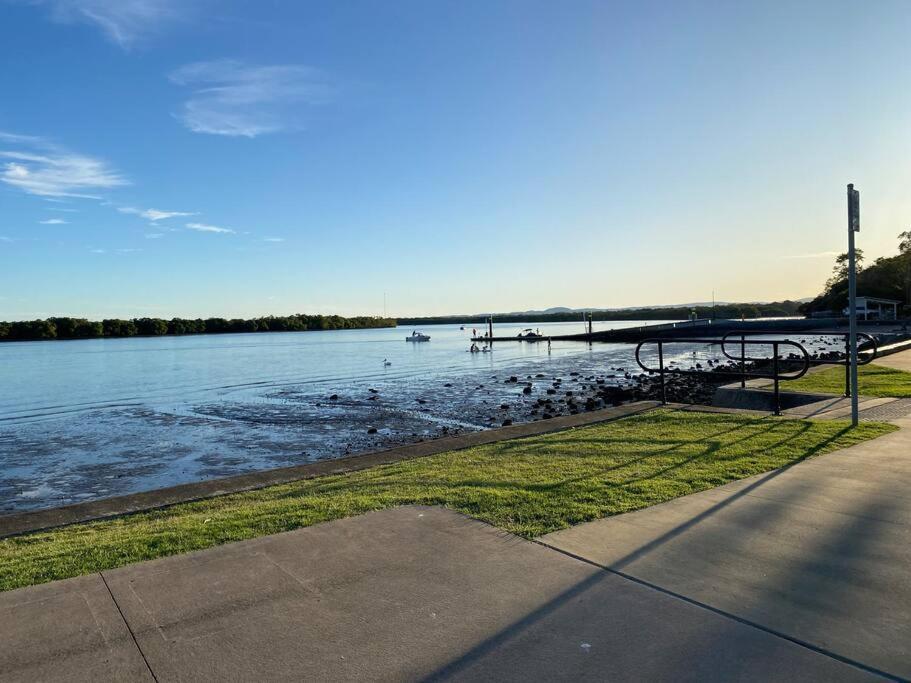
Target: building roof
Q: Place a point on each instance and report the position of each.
(878, 300)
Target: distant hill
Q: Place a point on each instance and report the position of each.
(695, 304)
(669, 312)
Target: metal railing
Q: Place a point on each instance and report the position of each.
(775, 360)
(864, 356)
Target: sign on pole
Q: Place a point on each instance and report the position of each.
(853, 226)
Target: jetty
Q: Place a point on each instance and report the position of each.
(703, 327)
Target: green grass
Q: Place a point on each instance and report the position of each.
(529, 487)
(872, 380)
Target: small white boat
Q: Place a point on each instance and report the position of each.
(417, 337)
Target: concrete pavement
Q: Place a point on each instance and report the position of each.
(405, 594)
(819, 552)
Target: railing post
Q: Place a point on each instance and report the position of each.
(847, 365)
(743, 362)
(661, 372)
(775, 374)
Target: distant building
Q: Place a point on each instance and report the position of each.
(871, 308)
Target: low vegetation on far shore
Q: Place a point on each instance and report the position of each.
(80, 328)
(873, 380)
(526, 486)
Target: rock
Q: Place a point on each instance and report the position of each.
(334, 397)
(447, 384)
(506, 423)
(372, 430)
(526, 390)
(504, 406)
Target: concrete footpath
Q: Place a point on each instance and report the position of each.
(405, 594)
(819, 553)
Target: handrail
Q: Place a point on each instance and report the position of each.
(776, 375)
(868, 357)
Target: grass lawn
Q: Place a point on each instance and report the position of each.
(529, 487)
(872, 380)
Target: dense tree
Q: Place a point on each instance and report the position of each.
(886, 278)
(80, 328)
(118, 328)
(904, 243)
(840, 269)
(32, 329)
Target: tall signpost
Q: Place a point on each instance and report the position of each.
(853, 226)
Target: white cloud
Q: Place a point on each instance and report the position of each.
(39, 167)
(154, 235)
(122, 21)
(53, 221)
(235, 99)
(154, 214)
(202, 227)
(5, 239)
(273, 239)
(98, 251)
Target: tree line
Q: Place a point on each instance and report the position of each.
(81, 328)
(888, 277)
(778, 309)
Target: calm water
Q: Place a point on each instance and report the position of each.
(95, 418)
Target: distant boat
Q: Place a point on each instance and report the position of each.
(417, 337)
(530, 334)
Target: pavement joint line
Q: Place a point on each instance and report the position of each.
(728, 615)
(127, 624)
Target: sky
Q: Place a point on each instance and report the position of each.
(237, 158)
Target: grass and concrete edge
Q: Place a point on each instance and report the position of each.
(528, 487)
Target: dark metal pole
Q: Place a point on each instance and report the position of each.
(847, 365)
(853, 226)
(775, 373)
(490, 329)
(743, 362)
(661, 372)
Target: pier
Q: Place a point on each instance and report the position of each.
(695, 328)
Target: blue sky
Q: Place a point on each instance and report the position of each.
(196, 157)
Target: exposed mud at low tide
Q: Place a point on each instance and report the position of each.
(120, 448)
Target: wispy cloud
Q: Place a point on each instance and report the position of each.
(53, 221)
(203, 227)
(154, 214)
(235, 99)
(42, 168)
(273, 239)
(154, 235)
(819, 254)
(5, 239)
(122, 21)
